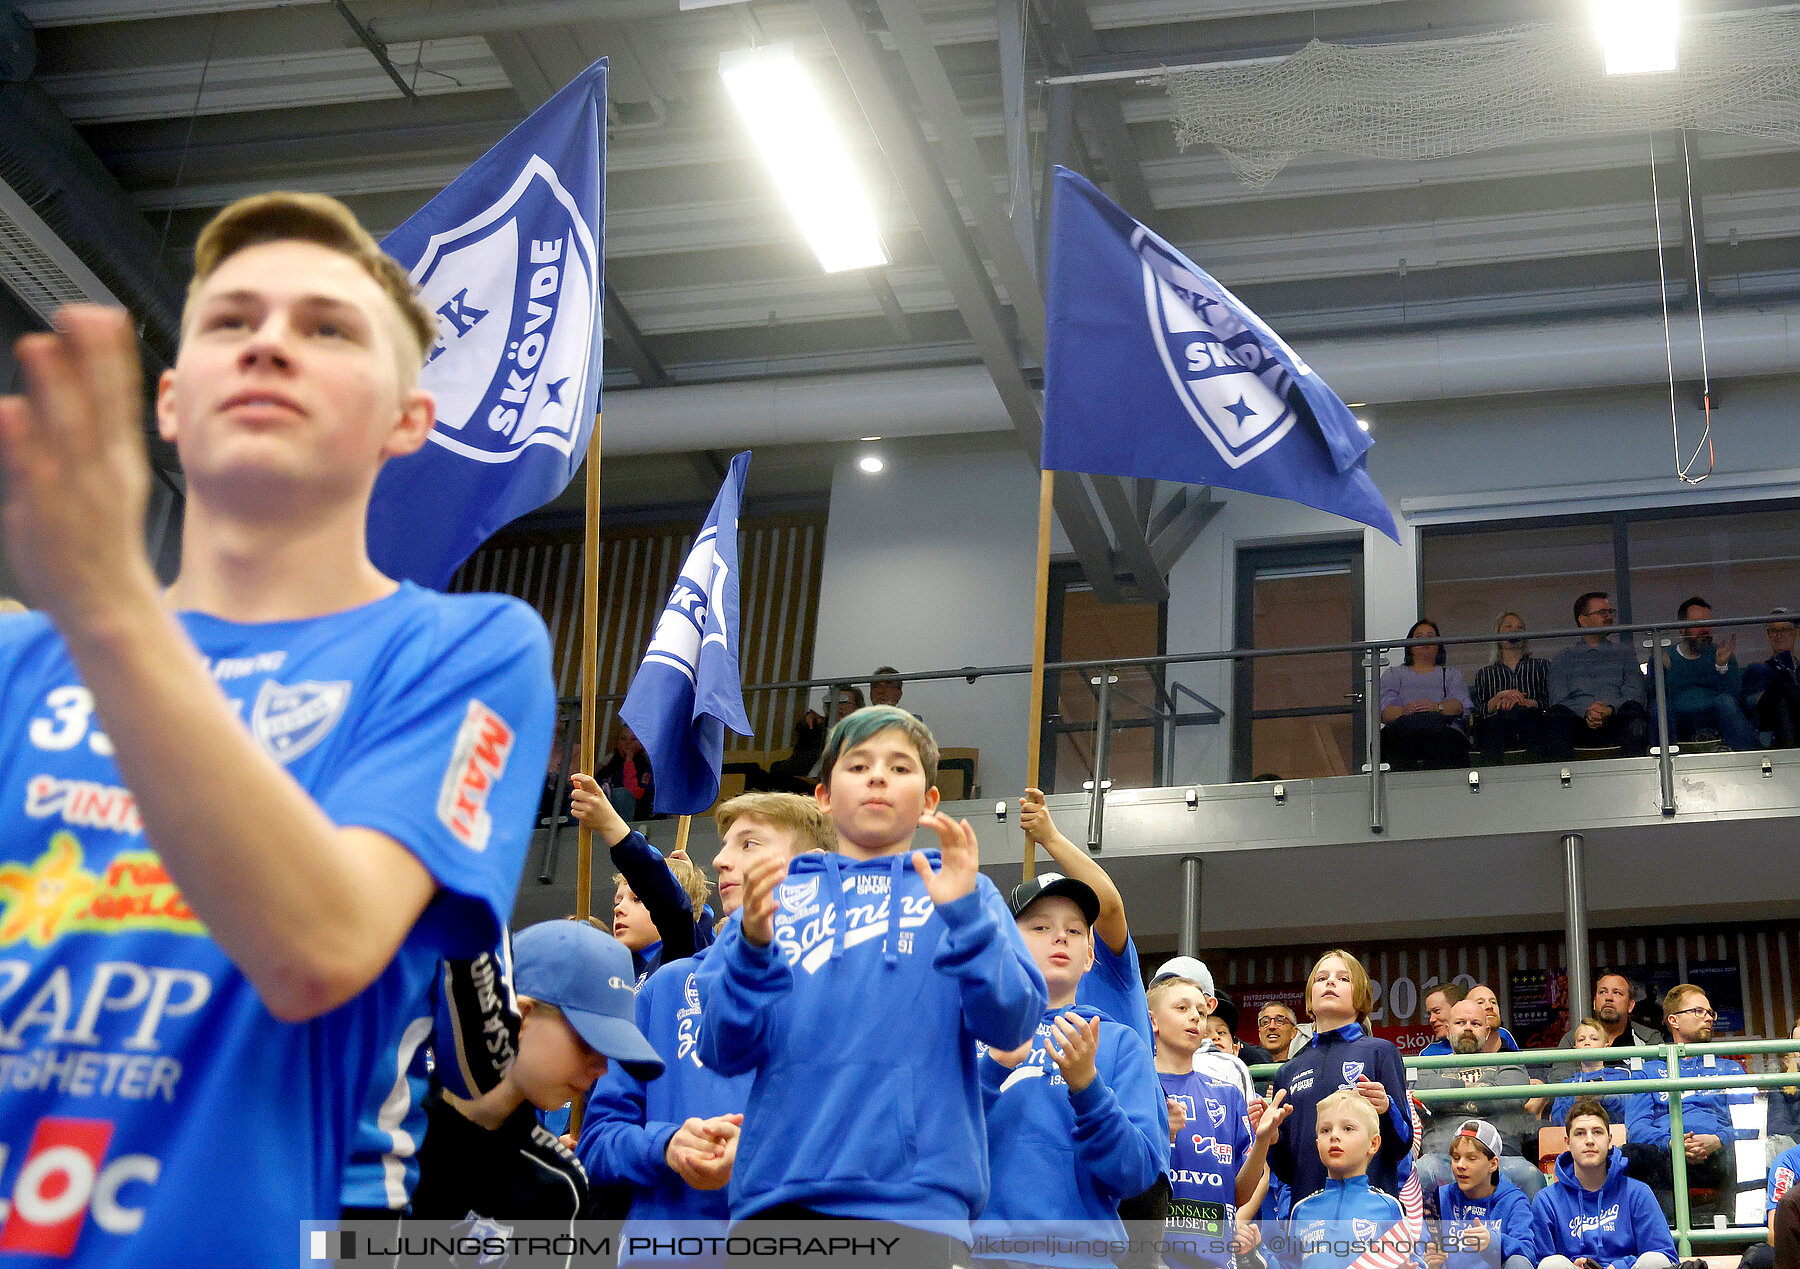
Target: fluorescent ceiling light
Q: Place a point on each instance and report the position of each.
(793, 130)
(1637, 35)
(871, 463)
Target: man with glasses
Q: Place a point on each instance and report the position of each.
(1279, 1031)
(1596, 689)
(1708, 1136)
(1772, 687)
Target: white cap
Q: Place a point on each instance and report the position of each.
(1483, 1132)
(1188, 967)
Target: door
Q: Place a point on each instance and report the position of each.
(1300, 716)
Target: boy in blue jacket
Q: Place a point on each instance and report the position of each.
(1481, 1212)
(673, 1141)
(855, 989)
(1071, 1114)
(1346, 1222)
(659, 907)
(1590, 1033)
(1593, 1216)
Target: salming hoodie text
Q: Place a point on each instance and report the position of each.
(859, 1021)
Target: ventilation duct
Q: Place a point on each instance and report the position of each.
(67, 229)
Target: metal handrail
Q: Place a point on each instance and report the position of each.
(1684, 1234)
(974, 672)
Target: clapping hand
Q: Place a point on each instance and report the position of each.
(1072, 1046)
(759, 906)
(959, 854)
(1266, 1118)
(702, 1151)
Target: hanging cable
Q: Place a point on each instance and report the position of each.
(1700, 313)
(1681, 469)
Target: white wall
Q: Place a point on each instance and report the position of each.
(930, 565)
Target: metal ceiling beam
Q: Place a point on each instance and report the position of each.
(1182, 519)
(1087, 537)
(940, 220)
(964, 165)
(629, 340)
(1134, 548)
(1100, 110)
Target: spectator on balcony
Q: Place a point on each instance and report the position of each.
(1772, 687)
(885, 686)
(1472, 1033)
(626, 778)
(1596, 689)
(1703, 682)
(793, 774)
(1510, 695)
(1424, 708)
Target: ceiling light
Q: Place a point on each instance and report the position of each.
(871, 463)
(793, 131)
(1637, 36)
(1363, 424)
(866, 439)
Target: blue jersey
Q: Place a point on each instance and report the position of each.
(1782, 1174)
(1204, 1163)
(1343, 1223)
(144, 1078)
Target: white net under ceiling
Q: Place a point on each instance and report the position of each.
(1739, 73)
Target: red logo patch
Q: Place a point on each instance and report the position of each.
(56, 1179)
(476, 764)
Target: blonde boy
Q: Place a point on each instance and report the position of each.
(1339, 1224)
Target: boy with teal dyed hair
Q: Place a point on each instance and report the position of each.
(855, 987)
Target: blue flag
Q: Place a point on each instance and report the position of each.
(687, 691)
(1153, 369)
(509, 258)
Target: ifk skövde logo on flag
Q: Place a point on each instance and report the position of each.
(516, 290)
(510, 260)
(1153, 369)
(1214, 361)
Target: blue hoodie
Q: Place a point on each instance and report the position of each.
(1506, 1213)
(1615, 1224)
(1341, 1211)
(1332, 1061)
(861, 1029)
(1702, 1111)
(1617, 1104)
(626, 1133)
(1069, 1158)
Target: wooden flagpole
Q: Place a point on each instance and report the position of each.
(1034, 736)
(590, 688)
(590, 667)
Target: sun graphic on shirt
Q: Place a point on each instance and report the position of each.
(38, 899)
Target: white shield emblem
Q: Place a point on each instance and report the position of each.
(1363, 1231)
(1214, 1111)
(289, 721)
(519, 313)
(1352, 1070)
(1218, 364)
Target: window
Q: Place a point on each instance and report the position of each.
(1744, 562)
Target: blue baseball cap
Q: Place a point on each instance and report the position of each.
(587, 974)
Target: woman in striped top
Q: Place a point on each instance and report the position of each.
(1510, 695)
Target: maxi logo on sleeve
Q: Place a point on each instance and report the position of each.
(477, 761)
